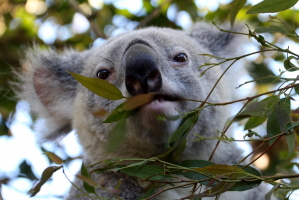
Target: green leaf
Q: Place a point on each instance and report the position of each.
(138, 100)
(117, 135)
(185, 125)
(222, 169)
(291, 125)
(270, 29)
(198, 164)
(236, 6)
(47, 173)
(278, 122)
(262, 108)
(119, 113)
(87, 184)
(149, 172)
(288, 65)
(272, 126)
(99, 86)
(254, 121)
(53, 157)
(271, 6)
(147, 194)
(297, 89)
(284, 119)
(247, 185)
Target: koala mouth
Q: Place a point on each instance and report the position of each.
(162, 104)
(161, 97)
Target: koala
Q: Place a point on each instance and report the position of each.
(150, 60)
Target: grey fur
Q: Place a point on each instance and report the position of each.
(56, 97)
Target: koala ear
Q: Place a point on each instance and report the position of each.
(49, 88)
(221, 44)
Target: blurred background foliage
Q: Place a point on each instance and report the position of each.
(82, 24)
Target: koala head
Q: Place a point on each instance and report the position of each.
(152, 60)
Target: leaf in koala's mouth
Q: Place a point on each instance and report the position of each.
(139, 100)
(161, 97)
(142, 99)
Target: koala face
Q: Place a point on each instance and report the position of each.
(162, 61)
(153, 60)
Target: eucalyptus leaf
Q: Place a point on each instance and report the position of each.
(53, 157)
(148, 172)
(88, 183)
(119, 113)
(254, 121)
(236, 6)
(271, 6)
(195, 164)
(271, 29)
(262, 108)
(185, 125)
(99, 86)
(288, 65)
(279, 121)
(247, 185)
(46, 175)
(138, 100)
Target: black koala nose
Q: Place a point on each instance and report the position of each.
(141, 72)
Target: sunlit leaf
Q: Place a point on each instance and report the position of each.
(89, 185)
(288, 65)
(47, 173)
(236, 6)
(56, 159)
(272, 126)
(270, 29)
(221, 169)
(139, 100)
(117, 135)
(99, 86)
(270, 6)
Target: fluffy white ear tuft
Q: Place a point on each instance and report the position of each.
(221, 44)
(49, 88)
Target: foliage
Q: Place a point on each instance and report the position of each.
(269, 107)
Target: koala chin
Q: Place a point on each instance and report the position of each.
(156, 60)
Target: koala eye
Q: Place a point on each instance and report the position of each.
(180, 58)
(103, 74)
